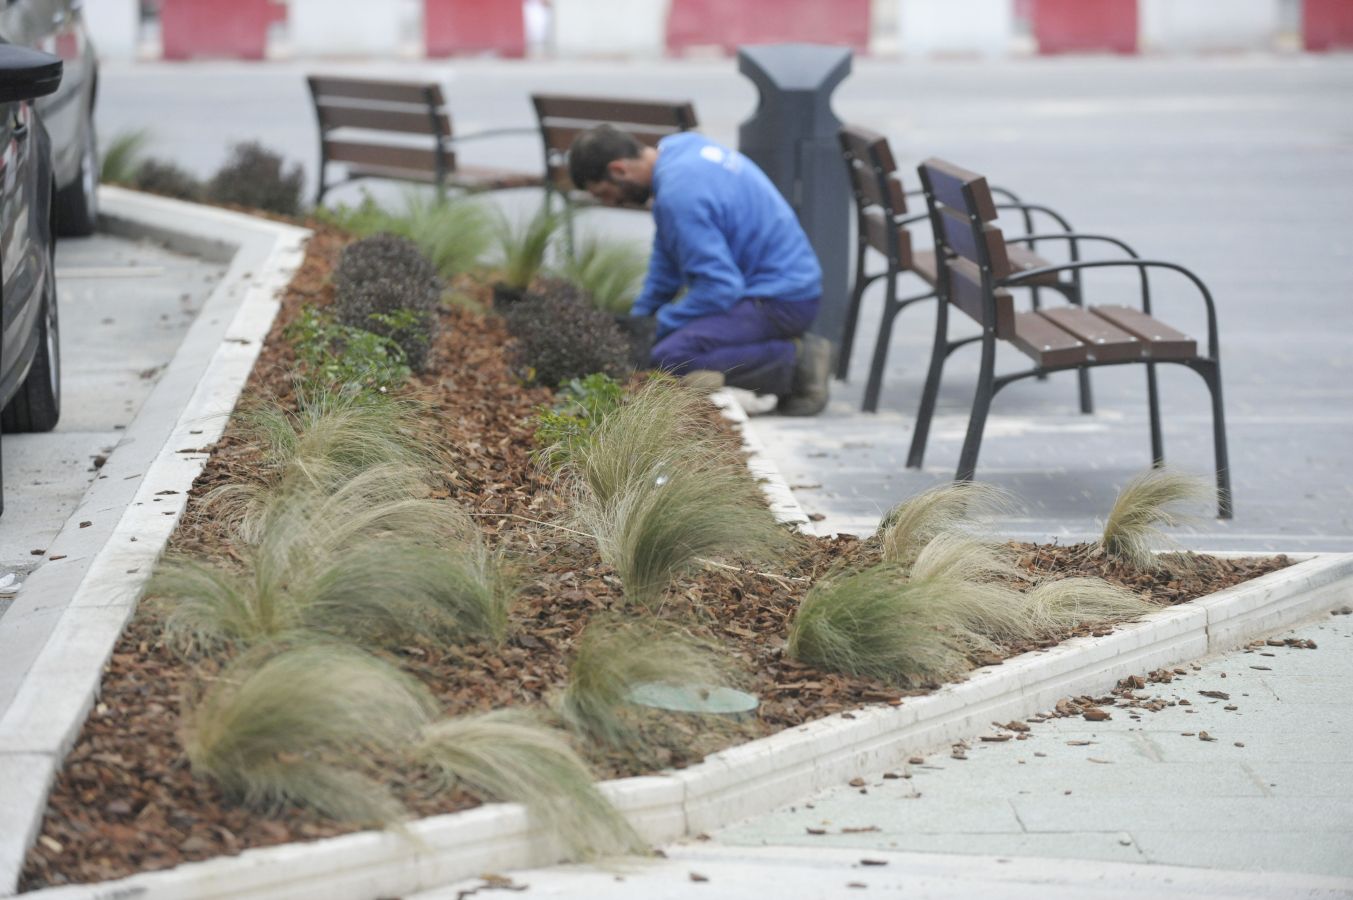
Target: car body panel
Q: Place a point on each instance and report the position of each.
(25, 238)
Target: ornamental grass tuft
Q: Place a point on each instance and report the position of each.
(1055, 608)
(608, 273)
(453, 233)
(1145, 505)
(876, 624)
(523, 247)
(508, 755)
(910, 525)
(314, 723)
(658, 492)
(614, 656)
(371, 563)
(334, 436)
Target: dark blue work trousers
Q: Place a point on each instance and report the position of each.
(749, 343)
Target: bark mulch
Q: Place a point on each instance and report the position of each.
(126, 800)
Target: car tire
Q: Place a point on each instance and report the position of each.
(76, 206)
(36, 405)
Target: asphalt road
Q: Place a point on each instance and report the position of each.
(1240, 167)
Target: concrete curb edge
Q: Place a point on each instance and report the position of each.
(72, 610)
(759, 776)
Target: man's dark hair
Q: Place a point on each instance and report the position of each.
(594, 150)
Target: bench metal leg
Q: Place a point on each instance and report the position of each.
(852, 315)
(981, 405)
(1087, 400)
(938, 353)
(890, 310)
(1153, 407)
(1211, 372)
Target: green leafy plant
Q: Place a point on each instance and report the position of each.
(579, 408)
(313, 724)
(253, 176)
(453, 233)
(344, 358)
(559, 338)
(122, 157)
(1147, 504)
(910, 525)
(875, 623)
(523, 247)
(156, 176)
(613, 657)
(371, 562)
(609, 274)
(385, 285)
(508, 755)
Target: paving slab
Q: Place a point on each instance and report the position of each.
(787, 872)
(1275, 781)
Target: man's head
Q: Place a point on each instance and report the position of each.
(612, 166)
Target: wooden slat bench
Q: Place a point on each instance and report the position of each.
(976, 280)
(399, 130)
(882, 224)
(561, 118)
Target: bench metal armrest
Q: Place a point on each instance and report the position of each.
(1004, 192)
(1141, 265)
(912, 220)
(1074, 237)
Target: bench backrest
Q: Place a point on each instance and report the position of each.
(562, 118)
(961, 213)
(879, 198)
(352, 110)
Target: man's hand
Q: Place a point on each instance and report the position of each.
(642, 332)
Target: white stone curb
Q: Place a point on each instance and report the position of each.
(62, 629)
(779, 497)
(759, 776)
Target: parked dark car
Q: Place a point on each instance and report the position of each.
(30, 375)
(58, 27)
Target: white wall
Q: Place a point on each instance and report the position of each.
(114, 26)
(610, 27)
(326, 28)
(955, 27)
(1190, 25)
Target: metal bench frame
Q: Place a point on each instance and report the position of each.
(881, 225)
(369, 108)
(961, 211)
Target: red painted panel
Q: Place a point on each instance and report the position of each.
(729, 23)
(238, 30)
(1075, 26)
(473, 26)
(1327, 24)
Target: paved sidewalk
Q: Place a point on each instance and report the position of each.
(1272, 792)
(1135, 806)
(125, 306)
(787, 873)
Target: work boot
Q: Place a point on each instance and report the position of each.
(812, 371)
(703, 381)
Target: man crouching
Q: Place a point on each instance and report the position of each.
(724, 234)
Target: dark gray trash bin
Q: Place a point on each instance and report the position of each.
(792, 136)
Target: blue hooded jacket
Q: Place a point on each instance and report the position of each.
(723, 232)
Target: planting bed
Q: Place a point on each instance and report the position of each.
(126, 800)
